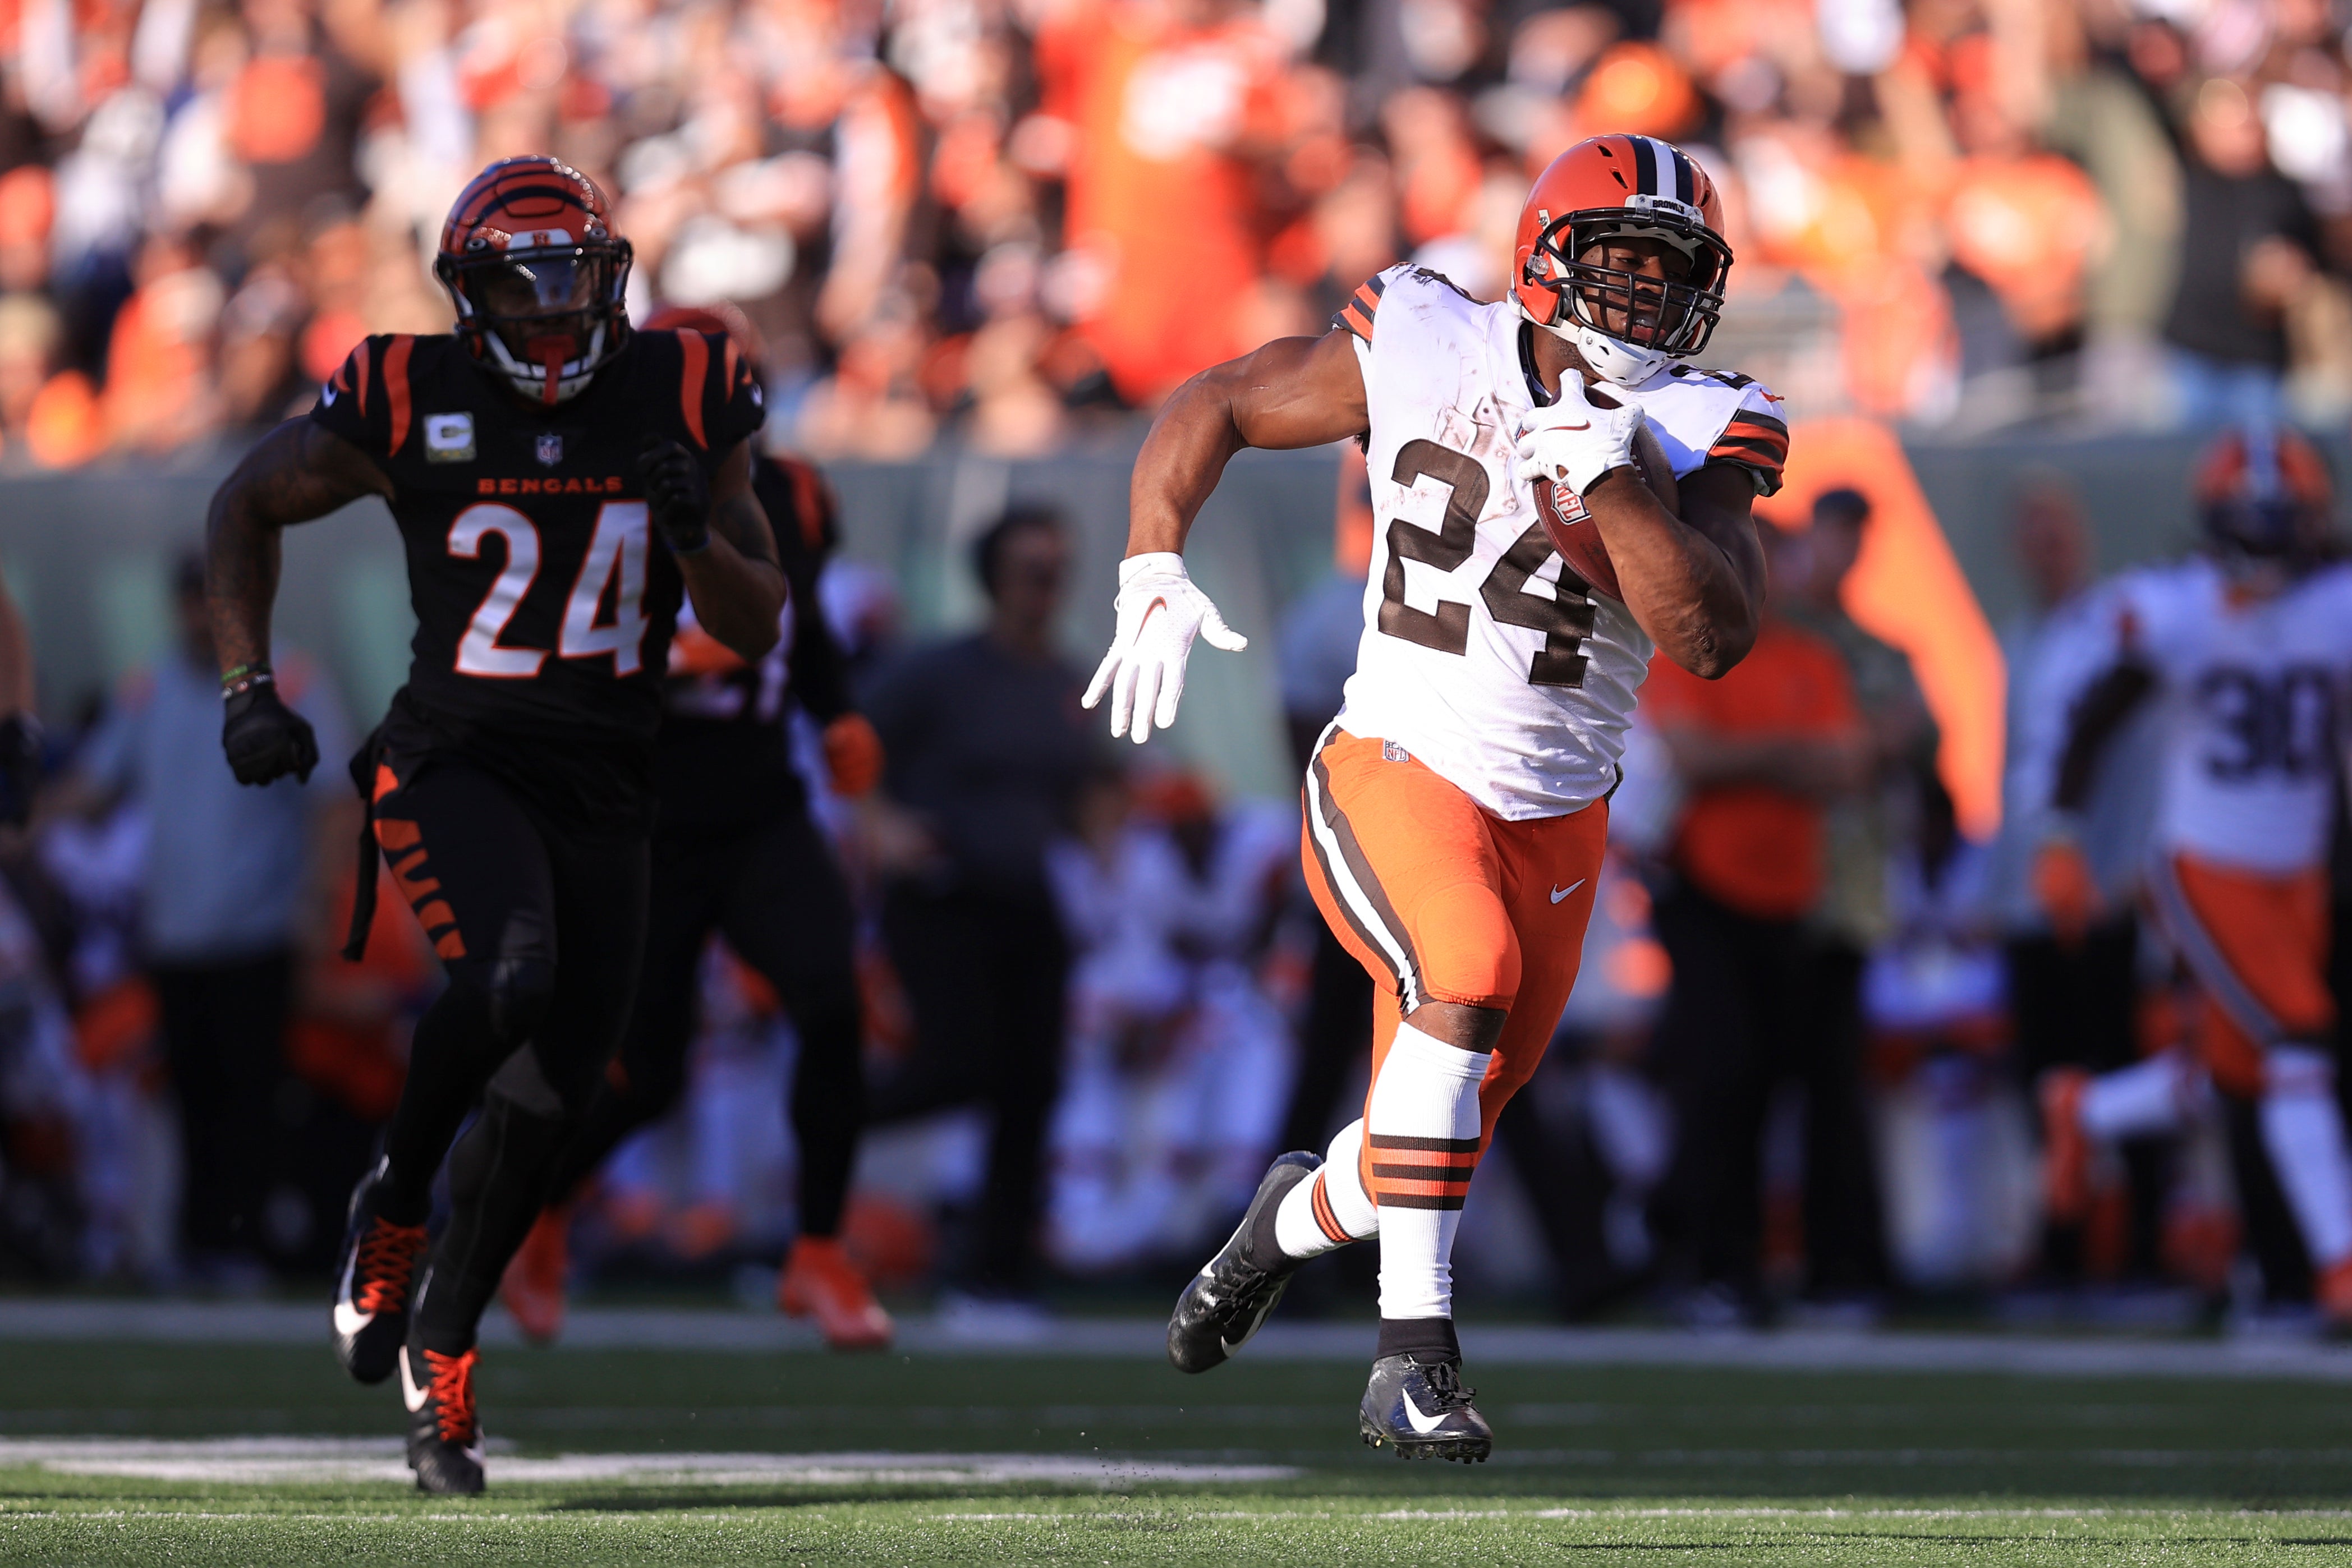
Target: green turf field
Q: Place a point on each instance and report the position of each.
(1710, 1466)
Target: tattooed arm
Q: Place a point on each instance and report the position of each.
(298, 472)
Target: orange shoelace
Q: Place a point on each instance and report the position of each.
(388, 1258)
(453, 1394)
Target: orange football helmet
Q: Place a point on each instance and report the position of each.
(1608, 187)
(2264, 494)
(537, 274)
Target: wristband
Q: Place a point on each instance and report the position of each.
(244, 678)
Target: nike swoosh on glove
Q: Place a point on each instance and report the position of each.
(266, 739)
(1160, 614)
(1575, 441)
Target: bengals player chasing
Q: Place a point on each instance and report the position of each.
(560, 483)
(1457, 808)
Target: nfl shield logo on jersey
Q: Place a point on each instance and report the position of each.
(551, 450)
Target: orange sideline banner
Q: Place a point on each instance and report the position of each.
(1908, 591)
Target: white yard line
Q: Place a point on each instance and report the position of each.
(1792, 1350)
(282, 1461)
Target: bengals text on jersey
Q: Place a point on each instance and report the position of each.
(544, 604)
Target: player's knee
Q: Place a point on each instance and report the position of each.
(1468, 952)
(512, 993)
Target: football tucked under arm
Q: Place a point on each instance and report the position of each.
(1578, 537)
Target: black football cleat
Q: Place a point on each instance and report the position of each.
(379, 1259)
(1421, 1409)
(1229, 1299)
(445, 1435)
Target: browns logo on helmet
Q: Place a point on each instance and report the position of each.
(2264, 494)
(1625, 323)
(530, 260)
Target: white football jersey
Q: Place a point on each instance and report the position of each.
(1482, 655)
(2252, 689)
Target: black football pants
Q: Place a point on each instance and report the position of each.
(539, 927)
(1755, 1003)
(987, 981)
(777, 896)
(224, 1028)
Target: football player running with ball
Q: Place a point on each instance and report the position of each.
(1558, 498)
(559, 482)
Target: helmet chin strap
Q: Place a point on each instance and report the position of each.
(1614, 360)
(549, 352)
(547, 373)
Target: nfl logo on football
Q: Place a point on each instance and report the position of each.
(551, 450)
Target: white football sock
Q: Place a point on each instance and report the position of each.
(2303, 1131)
(2150, 1096)
(1302, 1232)
(1421, 1125)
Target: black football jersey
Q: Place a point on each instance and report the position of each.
(545, 600)
(724, 761)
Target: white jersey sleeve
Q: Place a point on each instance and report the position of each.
(1481, 655)
(1704, 416)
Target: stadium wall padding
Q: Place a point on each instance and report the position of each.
(89, 553)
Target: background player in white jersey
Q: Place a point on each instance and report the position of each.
(2247, 647)
(1522, 574)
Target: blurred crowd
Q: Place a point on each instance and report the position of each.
(1818, 1061)
(1806, 1058)
(1004, 220)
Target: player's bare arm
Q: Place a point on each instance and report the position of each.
(2097, 717)
(1693, 582)
(734, 579)
(298, 473)
(1292, 392)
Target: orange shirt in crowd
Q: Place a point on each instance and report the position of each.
(159, 360)
(1752, 846)
(1159, 188)
(2027, 226)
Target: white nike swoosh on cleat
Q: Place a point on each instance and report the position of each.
(1424, 1424)
(350, 1319)
(1560, 892)
(413, 1397)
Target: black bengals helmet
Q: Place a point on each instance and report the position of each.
(530, 260)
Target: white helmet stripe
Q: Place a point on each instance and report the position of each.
(1674, 176)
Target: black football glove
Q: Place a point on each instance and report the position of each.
(266, 739)
(20, 767)
(677, 496)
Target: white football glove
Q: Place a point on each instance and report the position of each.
(1576, 440)
(1160, 614)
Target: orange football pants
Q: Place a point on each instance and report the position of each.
(2258, 947)
(1442, 901)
